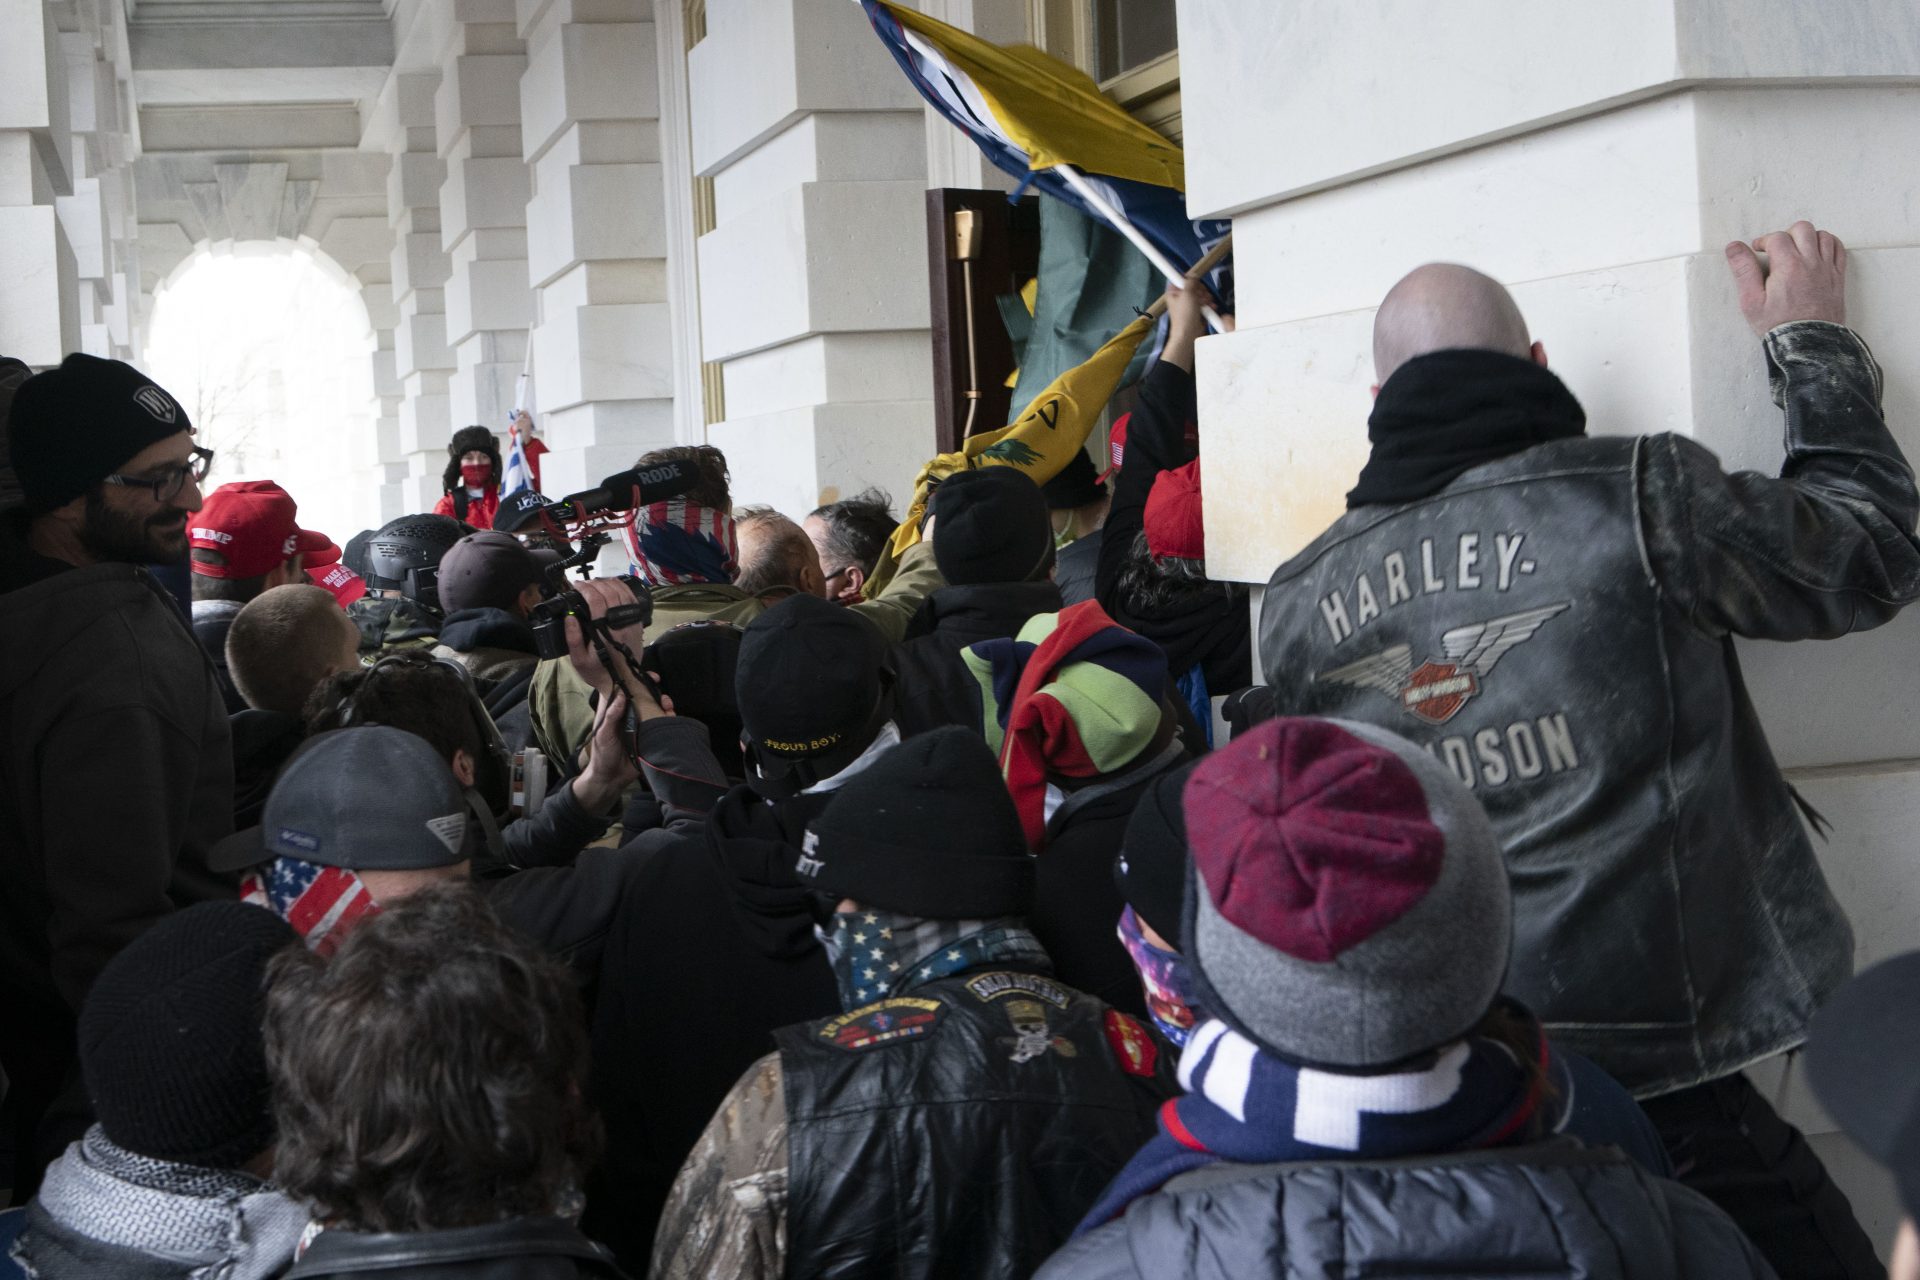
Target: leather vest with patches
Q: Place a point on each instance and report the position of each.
(961, 1129)
(1669, 919)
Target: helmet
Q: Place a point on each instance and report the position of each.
(404, 555)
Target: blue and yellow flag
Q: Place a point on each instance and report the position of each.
(1029, 112)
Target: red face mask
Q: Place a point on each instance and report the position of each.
(475, 474)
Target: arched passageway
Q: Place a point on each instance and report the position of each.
(267, 344)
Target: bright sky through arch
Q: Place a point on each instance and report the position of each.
(271, 354)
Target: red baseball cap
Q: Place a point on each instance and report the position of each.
(1116, 446)
(250, 523)
(1173, 515)
(346, 585)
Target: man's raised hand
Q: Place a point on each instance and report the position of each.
(1803, 278)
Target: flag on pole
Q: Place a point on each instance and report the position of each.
(1048, 124)
(515, 475)
(1053, 427)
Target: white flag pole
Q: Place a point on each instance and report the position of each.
(1161, 262)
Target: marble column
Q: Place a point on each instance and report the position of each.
(39, 283)
(423, 364)
(1596, 160)
(813, 285)
(483, 210)
(602, 344)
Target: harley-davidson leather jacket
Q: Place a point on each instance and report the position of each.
(1557, 627)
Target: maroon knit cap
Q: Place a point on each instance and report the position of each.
(1349, 905)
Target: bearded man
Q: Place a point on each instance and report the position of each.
(116, 769)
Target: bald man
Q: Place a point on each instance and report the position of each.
(1549, 614)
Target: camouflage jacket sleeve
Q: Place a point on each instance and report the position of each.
(917, 578)
(727, 1214)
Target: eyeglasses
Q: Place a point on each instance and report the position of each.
(167, 485)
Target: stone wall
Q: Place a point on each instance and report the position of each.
(1596, 160)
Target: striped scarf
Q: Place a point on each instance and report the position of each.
(1245, 1105)
(678, 541)
(1074, 694)
(321, 903)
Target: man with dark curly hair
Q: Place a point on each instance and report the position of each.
(429, 1088)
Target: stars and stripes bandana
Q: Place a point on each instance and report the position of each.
(876, 954)
(1248, 1106)
(1075, 693)
(678, 541)
(321, 903)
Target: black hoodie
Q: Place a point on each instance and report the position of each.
(713, 948)
(115, 779)
(933, 685)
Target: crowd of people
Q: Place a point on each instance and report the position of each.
(799, 905)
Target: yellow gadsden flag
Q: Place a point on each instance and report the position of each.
(1040, 442)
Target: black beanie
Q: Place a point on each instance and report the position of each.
(991, 525)
(70, 426)
(1151, 868)
(927, 830)
(170, 1042)
(1077, 485)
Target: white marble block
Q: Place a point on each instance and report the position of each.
(798, 459)
(39, 291)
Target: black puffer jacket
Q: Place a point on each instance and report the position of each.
(1556, 626)
(518, 1249)
(1558, 1211)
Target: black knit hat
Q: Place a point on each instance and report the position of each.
(928, 830)
(991, 525)
(1077, 485)
(1151, 867)
(170, 1043)
(809, 688)
(70, 426)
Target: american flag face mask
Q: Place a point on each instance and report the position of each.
(323, 904)
(678, 541)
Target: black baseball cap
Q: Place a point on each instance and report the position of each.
(1863, 1058)
(810, 690)
(519, 510)
(488, 569)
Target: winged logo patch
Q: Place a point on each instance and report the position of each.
(1438, 688)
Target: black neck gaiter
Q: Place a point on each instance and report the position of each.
(1446, 412)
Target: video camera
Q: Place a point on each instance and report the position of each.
(549, 618)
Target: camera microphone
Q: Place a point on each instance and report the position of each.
(640, 487)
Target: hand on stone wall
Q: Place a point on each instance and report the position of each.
(1804, 277)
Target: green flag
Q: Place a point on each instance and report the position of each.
(1092, 284)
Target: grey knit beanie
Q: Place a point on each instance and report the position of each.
(1348, 905)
